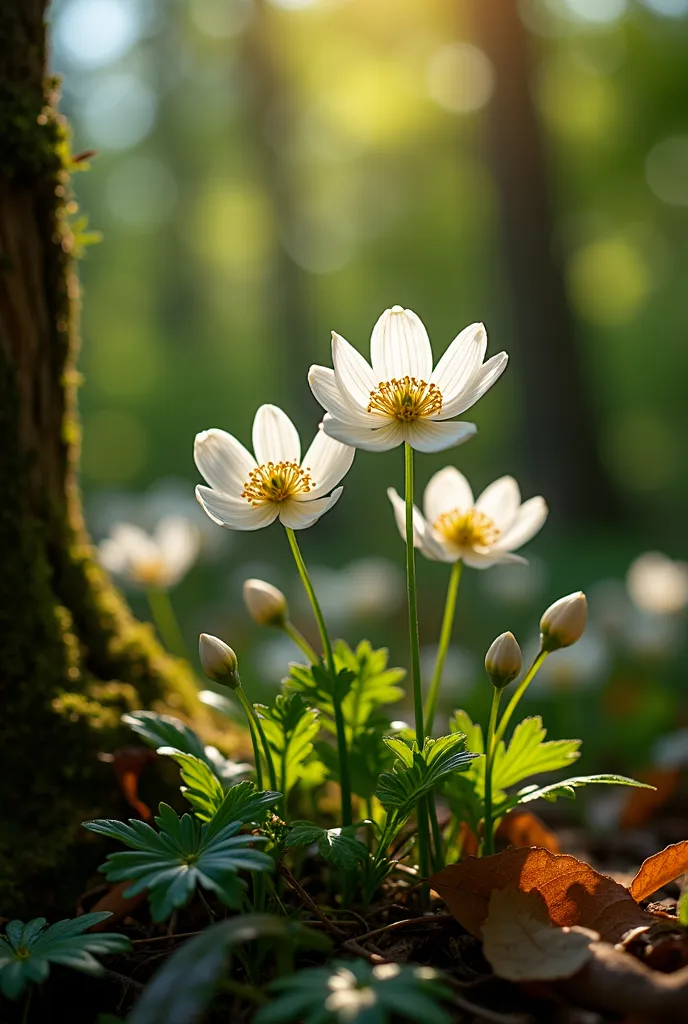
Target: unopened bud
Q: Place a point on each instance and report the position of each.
(503, 661)
(265, 604)
(219, 661)
(564, 622)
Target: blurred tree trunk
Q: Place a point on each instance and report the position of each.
(559, 421)
(72, 657)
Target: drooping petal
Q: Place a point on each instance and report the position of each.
(326, 461)
(480, 560)
(433, 436)
(354, 376)
(275, 438)
(529, 519)
(400, 346)
(447, 490)
(423, 537)
(501, 502)
(378, 439)
(298, 515)
(223, 461)
(460, 363)
(179, 541)
(235, 513)
(323, 384)
(490, 372)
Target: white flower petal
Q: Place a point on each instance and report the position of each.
(501, 502)
(483, 560)
(354, 376)
(223, 461)
(447, 490)
(298, 515)
(400, 346)
(113, 557)
(433, 436)
(323, 384)
(275, 438)
(490, 372)
(327, 461)
(179, 541)
(135, 544)
(234, 513)
(460, 363)
(529, 519)
(423, 537)
(379, 439)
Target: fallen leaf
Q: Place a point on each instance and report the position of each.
(523, 828)
(117, 904)
(521, 943)
(467, 843)
(659, 869)
(128, 763)
(641, 804)
(574, 893)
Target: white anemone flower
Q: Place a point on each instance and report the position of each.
(400, 397)
(159, 559)
(247, 493)
(657, 584)
(480, 533)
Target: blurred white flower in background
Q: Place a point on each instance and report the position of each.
(367, 588)
(148, 560)
(461, 671)
(671, 751)
(272, 657)
(657, 584)
(582, 666)
(516, 584)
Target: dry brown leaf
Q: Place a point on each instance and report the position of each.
(117, 904)
(521, 943)
(523, 828)
(129, 763)
(658, 870)
(574, 893)
(641, 804)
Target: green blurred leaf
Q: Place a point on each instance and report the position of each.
(338, 845)
(566, 788)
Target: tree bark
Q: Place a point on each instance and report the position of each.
(72, 657)
(559, 433)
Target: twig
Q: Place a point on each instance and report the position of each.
(164, 938)
(308, 901)
(406, 923)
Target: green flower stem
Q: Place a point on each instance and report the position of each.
(299, 639)
(411, 589)
(490, 745)
(438, 852)
(342, 751)
(445, 638)
(166, 621)
(254, 718)
(522, 687)
(254, 739)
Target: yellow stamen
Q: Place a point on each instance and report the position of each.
(406, 399)
(471, 529)
(276, 481)
(150, 572)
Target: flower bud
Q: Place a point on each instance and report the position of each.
(503, 661)
(219, 661)
(563, 622)
(265, 604)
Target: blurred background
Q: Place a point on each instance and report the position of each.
(268, 172)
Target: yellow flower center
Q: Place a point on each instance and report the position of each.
(472, 529)
(276, 481)
(149, 572)
(407, 399)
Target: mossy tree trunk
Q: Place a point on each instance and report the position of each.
(72, 657)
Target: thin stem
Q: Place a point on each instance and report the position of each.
(422, 811)
(445, 638)
(522, 687)
(436, 835)
(299, 639)
(342, 751)
(254, 741)
(488, 826)
(27, 1004)
(251, 712)
(166, 621)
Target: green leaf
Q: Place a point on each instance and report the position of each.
(27, 950)
(566, 788)
(202, 788)
(527, 754)
(318, 687)
(290, 727)
(183, 855)
(338, 845)
(168, 732)
(243, 803)
(366, 994)
(184, 986)
(416, 773)
(373, 684)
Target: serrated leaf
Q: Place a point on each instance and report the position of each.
(528, 754)
(201, 786)
(166, 731)
(290, 727)
(28, 949)
(416, 773)
(243, 803)
(373, 683)
(184, 986)
(566, 788)
(338, 845)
